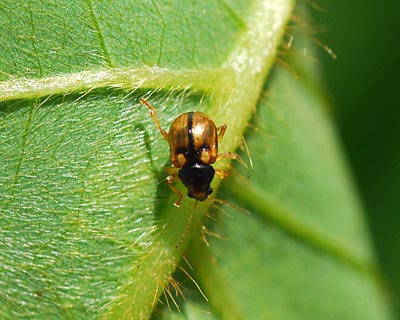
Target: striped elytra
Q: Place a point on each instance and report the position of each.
(193, 139)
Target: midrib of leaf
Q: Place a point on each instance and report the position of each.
(235, 96)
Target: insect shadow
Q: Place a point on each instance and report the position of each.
(163, 192)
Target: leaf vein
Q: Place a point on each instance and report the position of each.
(100, 35)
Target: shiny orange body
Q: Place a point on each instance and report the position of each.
(193, 142)
(193, 139)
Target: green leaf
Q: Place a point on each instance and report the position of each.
(87, 229)
(303, 253)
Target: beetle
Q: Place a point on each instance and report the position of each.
(193, 142)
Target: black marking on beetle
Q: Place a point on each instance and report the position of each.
(190, 137)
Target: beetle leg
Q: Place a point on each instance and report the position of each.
(221, 131)
(222, 174)
(170, 179)
(153, 114)
(173, 176)
(230, 155)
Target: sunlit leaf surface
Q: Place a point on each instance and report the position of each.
(88, 229)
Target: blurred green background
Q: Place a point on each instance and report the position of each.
(362, 83)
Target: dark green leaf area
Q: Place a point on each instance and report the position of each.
(272, 275)
(300, 175)
(303, 252)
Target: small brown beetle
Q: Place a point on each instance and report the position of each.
(193, 141)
